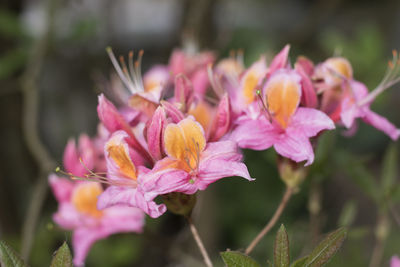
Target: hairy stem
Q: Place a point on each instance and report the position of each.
(199, 243)
(272, 221)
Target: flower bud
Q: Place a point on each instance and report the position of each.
(179, 203)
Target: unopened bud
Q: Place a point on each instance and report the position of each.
(179, 203)
(291, 173)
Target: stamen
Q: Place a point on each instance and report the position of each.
(264, 106)
(131, 77)
(117, 67)
(391, 77)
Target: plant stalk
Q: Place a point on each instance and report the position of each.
(272, 221)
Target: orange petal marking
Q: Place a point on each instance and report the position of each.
(185, 141)
(341, 66)
(249, 86)
(151, 85)
(84, 198)
(120, 156)
(202, 112)
(283, 97)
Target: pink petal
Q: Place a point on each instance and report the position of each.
(223, 150)
(62, 188)
(308, 93)
(306, 64)
(163, 180)
(382, 124)
(70, 158)
(67, 216)
(118, 195)
(82, 240)
(200, 81)
(222, 120)
(109, 115)
(280, 60)
(309, 122)
(155, 133)
(349, 112)
(158, 74)
(172, 112)
(296, 147)
(183, 93)
(212, 170)
(113, 169)
(256, 134)
(177, 62)
(395, 261)
(123, 219)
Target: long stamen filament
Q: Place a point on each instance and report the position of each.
(264, 106)
(391, 77)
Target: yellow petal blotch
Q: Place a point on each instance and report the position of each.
(185, 141)
(340, 65)
(84, 198)
(120, 156)
(202, 112)
(283, 96)
(249, 87)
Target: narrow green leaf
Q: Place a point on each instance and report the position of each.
(389, 169)
(62, 257)
(281, 248)
(326, 249)
(300, 262)
(8, 256)
(238, 259)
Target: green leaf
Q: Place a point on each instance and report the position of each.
(389, 169)
(300, 262)
(326, 249)
(238, 259)
(8, 256)
(62, 257)
(281, 248)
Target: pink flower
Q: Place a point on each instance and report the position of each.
(114, 121)
(395, 261)
(352, 109)
(281, 122)
(192, 164)
(77, 212)
(346, 99)
(125, 178)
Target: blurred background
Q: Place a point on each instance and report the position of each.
(53, 65)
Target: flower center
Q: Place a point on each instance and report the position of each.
(84, 198)
(283, 96)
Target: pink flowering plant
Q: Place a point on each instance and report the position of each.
(181, 127)
(171, 133)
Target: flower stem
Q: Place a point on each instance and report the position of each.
(272, 221)
(199, 243)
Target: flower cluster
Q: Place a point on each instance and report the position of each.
(178, 128)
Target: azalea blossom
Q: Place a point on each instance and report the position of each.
(280, 122)
(346, 99)
(192, 164)
(125, 178)
(77, 212)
